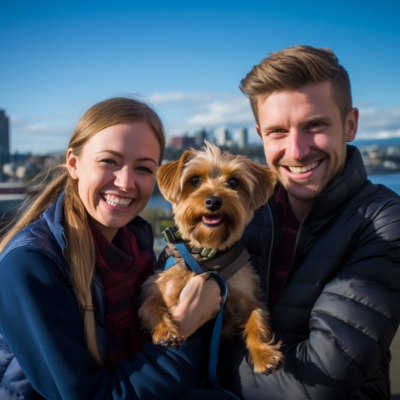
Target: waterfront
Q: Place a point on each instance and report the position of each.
(392, 181)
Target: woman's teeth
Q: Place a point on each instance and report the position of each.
(117, 201)
(302, 170)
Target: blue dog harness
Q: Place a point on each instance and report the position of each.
(226, 264)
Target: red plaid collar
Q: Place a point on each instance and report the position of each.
(123, 268)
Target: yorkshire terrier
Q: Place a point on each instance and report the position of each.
(214, 195)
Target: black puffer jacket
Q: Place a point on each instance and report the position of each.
(340, 306)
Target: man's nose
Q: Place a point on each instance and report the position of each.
(297, 145)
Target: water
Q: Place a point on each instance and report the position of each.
(158, 201)
(392, 181)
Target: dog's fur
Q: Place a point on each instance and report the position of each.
(214, 195)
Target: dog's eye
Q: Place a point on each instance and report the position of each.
(195, 180)
(232, 182)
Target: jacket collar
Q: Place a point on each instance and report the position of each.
(341, 188)
(54, 217)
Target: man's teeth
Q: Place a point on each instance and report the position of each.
(305, 168)
(117, 201)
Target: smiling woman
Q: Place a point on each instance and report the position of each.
(115, 174)
(72, 267)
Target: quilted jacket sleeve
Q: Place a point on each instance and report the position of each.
(338, 314)
(40, 322)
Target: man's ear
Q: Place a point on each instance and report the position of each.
(258, 130)
(71, 161)
(351, 124)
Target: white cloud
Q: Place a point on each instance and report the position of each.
(186, 113)
(375, 119)
(38, 128)
(38, 137)
(379, 123)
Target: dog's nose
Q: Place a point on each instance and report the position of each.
(213, 203)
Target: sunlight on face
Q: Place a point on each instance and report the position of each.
(304, 139)
(116, 172)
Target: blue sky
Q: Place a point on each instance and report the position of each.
(186, 58)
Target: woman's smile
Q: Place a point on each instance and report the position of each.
(116, 201)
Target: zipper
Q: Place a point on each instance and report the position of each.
(269, 260)
(297, 245)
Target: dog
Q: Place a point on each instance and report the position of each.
(214, 195)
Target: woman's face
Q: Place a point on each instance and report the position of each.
(116, 172)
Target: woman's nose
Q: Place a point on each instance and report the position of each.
(124, 179)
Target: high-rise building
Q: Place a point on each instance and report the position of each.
(199, 137)
(182, 142)
(224, 137)
(4, 138)
(242, 138)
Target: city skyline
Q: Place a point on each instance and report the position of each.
(185, 58)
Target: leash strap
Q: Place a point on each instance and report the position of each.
(189, 259)
(216, 335)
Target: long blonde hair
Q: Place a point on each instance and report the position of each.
(81, 247)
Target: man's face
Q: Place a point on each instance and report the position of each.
(304, 139)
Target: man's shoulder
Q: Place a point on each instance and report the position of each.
(377, 197)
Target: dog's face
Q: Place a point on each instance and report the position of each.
(214, 194)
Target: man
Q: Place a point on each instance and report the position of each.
(326, 246)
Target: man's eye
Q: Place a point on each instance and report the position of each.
(315, 125)
(232, 183)
(276, 133)
(195, 181)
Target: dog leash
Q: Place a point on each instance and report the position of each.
(216, 335)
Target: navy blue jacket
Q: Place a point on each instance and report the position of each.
(339, 308)
(42, 349)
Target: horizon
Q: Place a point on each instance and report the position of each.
(185, 59)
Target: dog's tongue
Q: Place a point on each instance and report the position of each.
(211, 220)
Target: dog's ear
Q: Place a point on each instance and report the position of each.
(264, 183)
(168, 176)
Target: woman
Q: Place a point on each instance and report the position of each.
(71, 269)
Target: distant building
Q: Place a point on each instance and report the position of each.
(200, 137)
(12, 196)
(4, 139)
(224, 137)
(182, 142)
(243, 137)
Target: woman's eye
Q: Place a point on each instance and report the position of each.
(108, 161)
(145, 169)
(232, 183)
(195, 181)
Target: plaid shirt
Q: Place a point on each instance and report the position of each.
(283, 256)
(123, 268)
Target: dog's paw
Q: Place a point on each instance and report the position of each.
(267, 360)
(170, 341)
(273, 366)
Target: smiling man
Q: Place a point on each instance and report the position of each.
(326, 246)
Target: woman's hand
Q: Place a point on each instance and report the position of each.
(199, 301)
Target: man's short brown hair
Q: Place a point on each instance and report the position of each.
(294, 67)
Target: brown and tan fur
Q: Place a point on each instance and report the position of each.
(242, 186)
